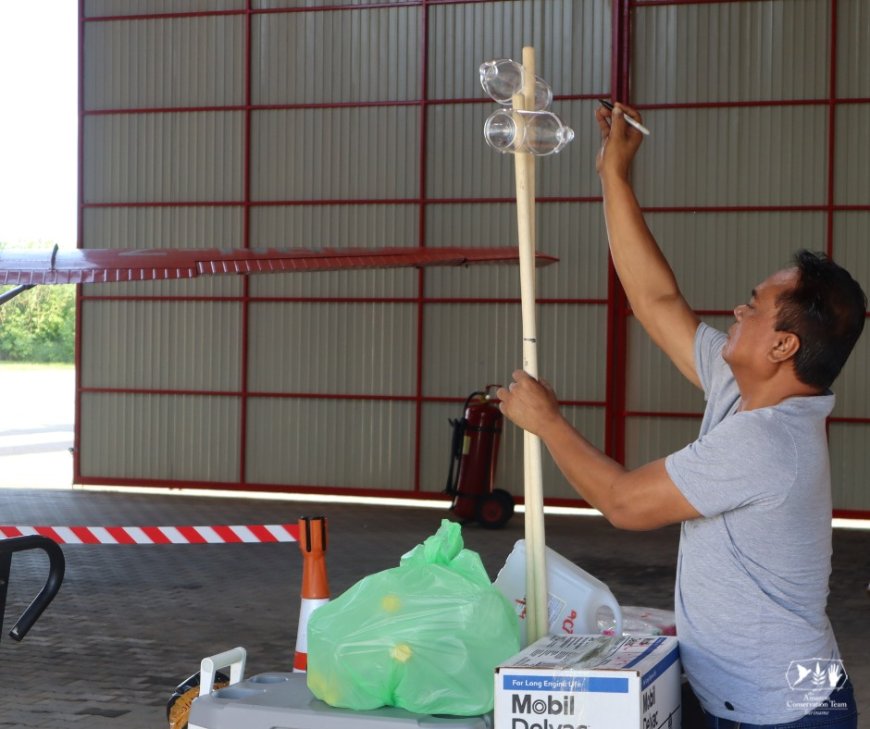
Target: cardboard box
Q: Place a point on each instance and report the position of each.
(590, 682)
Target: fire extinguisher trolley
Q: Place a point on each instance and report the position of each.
(473, 461)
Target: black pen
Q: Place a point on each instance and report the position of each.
(636, 124)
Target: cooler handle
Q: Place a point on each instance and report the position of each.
(233, 658)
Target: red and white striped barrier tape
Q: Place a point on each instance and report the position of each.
(246, 534)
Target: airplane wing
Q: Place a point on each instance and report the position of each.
(29, 268)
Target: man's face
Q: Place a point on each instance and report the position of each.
(753, 335)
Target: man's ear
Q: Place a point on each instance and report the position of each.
(785, 347)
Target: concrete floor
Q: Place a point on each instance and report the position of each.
(131, 622)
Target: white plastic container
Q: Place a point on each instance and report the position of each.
(577, 602)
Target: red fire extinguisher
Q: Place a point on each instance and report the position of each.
(473, 461)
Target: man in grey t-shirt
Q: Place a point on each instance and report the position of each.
(753, 491)
(753, 573)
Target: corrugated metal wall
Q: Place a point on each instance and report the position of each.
(756, 109)
(265, 123)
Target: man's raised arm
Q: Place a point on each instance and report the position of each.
(646, 276)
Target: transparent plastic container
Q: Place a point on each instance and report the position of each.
(540, 133)
(577, 602)
(503, 78)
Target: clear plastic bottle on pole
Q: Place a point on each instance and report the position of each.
(540, 133)
(504, 77)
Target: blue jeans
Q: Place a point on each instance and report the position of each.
(841, 717)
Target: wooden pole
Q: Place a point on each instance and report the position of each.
(536, 572)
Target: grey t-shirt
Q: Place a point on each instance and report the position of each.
(752, 572)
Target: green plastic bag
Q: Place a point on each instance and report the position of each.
(425, 636)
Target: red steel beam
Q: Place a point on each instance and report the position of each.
(246, 244)
(419, 344)
(80, 177)
(617, 327)
(821, 207)
(266, 395)
(364, 104)
(832, 120)
(337, 299)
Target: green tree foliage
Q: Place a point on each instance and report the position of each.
(38, 325)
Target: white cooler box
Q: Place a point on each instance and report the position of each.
(283, 701)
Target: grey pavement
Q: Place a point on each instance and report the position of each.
(131, 622)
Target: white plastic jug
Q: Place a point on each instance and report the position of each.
(577, 602)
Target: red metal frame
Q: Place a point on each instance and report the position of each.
(77, 407)
(832, 118)
(246, 243)
(421, 242)
(615, 406)
(617, 305)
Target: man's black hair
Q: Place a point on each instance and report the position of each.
(826, 310)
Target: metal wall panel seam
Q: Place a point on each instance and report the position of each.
(832, 117)
(617, 337)
(422, 170)
(80, 186)
(246, 240)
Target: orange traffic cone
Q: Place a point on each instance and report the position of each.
(315, 588)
